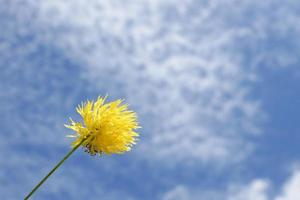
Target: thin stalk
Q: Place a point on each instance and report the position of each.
(54, 169)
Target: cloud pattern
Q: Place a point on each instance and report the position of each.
(188, 70)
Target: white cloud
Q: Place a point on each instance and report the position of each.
(257, 189)
(291, 189)
(260, 189)
(182, 192)
(177, 193)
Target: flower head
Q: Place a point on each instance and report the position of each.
(107, 127)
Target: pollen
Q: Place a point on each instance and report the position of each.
(107, 128)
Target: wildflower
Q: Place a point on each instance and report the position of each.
(107, 127)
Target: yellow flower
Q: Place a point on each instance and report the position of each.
(107, 127)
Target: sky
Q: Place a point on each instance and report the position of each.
(214, 84)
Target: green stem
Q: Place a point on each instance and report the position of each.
(54, 169)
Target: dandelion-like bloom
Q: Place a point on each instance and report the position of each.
(107, 127)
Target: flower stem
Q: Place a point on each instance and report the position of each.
(54, 169)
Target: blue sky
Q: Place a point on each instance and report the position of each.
(214, 83)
